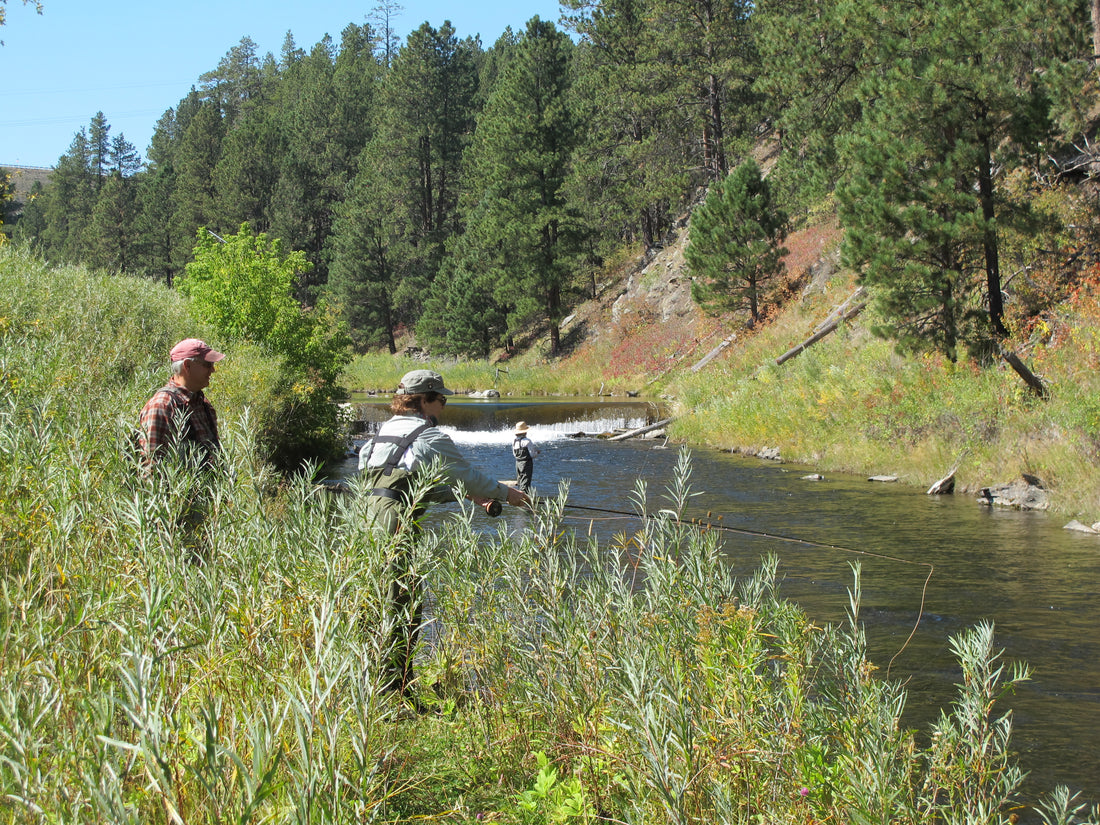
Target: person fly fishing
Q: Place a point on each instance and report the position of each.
(524, 452)
(392, 463)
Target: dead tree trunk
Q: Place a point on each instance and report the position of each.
(640, 430)
(823, 330)
(1031, 379)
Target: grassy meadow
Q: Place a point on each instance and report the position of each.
(150, 678)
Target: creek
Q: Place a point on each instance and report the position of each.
(1035, 581)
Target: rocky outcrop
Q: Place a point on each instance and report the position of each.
(1021, 494)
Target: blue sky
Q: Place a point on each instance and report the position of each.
(133, 59)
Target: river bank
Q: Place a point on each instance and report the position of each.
(849, 404)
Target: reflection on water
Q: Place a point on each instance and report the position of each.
(1037, 582)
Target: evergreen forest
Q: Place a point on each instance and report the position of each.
(470, 195)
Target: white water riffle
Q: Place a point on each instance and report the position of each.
(544, 433)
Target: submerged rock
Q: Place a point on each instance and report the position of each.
(1080, 528)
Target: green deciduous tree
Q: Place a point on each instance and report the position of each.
(244, 285)
(735, 249)
(4, 12)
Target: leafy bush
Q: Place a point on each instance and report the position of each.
(244, 285)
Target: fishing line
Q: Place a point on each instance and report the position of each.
(745, 531)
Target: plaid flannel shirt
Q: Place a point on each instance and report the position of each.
(173, 412)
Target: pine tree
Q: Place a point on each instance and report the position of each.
(70, 201)
(112, 227)
(156, 236)
(527, 237)
(424, 119)
(316, 166)
(816, 53)
(238, 81)
(956, 101)
(362, 252)
(99, 150)
(384, 16)
(735, 249)
(629, 168)
(124, 157)
(248, 170)
(195, 159)
(30, 227)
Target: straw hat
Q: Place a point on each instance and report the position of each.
(521, 428)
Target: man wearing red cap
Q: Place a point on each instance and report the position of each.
(179, 416)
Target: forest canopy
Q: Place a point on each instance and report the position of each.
(467, 194)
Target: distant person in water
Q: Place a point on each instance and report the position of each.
(524, 452)
(405, 446)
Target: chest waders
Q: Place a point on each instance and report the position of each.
(389, 504)
(390, 484)
(525, 464)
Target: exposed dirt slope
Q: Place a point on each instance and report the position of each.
(649, 320)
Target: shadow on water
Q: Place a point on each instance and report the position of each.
(1036, 582)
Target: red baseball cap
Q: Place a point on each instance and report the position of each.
(194, 348)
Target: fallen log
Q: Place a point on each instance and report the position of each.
(1031, 379)
(855, 296)
(640, 430)
(946, 485)
(710, 356)
(824, 330)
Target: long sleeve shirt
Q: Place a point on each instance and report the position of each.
(172, 415)
(431, 444)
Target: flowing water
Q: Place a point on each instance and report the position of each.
(1035, 581)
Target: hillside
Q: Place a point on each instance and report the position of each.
(852, 403)
(24, 177)
(647, 321)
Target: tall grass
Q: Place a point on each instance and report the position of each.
(636, 682)
(850, 403)
(525, 374)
